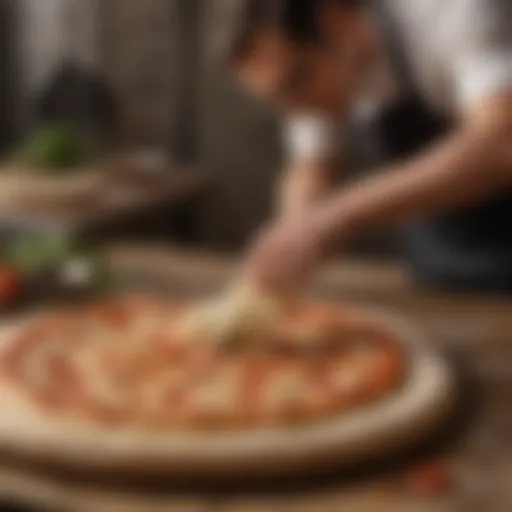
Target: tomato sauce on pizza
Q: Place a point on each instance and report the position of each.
(123, 362)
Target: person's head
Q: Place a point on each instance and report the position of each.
(303, 54)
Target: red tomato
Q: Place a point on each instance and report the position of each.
(11, 283)
(433, 477)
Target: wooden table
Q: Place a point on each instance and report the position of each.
(475, 331)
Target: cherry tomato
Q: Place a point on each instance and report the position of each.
(431, 478)
(11, 284)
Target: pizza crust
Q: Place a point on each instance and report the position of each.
(413, 410)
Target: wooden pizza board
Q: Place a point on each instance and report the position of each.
(29, 491)
(420, 405)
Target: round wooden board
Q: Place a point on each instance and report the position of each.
(421, 404)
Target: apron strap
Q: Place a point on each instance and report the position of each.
(395, 48)
(410, 123)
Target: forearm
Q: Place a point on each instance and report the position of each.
(467, 167)
(314, 148)
(304, 183)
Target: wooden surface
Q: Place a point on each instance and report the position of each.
(115, 202)
(476, 332)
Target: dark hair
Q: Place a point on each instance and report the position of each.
(298, 19)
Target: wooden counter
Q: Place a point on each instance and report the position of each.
(475, 331)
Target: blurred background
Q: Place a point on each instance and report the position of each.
(147, 77)
(145, 74)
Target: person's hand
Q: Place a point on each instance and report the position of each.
(287, 252)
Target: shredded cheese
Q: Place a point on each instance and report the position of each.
(286, 390)
(238, 315)
(218, 393)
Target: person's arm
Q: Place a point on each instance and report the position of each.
(472, 164)
(303, 183)
(475, 161)
(313, 147)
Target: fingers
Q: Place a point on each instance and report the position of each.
(282, 258)
(277, 272)
(262, 267)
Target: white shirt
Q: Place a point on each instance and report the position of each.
(460, 50)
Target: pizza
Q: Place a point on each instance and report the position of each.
(142, 362)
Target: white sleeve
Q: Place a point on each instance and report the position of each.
(311, 136)
(482, 74)
(480, 49)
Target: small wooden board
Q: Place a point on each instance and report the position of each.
(88, 198)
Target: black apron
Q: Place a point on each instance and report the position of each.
(468, 250)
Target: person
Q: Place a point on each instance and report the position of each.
(321, 63)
